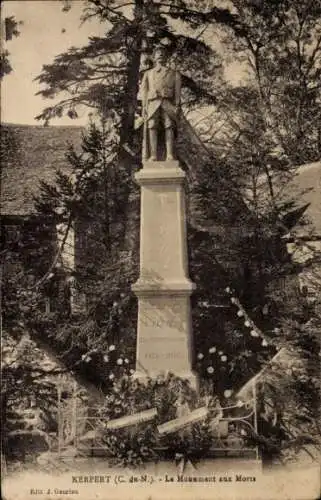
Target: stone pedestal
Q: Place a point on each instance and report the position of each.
(164, 332)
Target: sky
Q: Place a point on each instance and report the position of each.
(41, 39)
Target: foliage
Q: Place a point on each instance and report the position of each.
(28, 396)
(88, 203)
(297, 388)
(289, 394)
(11, 29)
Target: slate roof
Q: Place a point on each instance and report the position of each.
(304, 187)
(30, 153)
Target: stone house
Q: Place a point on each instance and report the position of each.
(304, 241)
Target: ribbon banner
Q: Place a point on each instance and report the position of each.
(180, 423)
(137, 418)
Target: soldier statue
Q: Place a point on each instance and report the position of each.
(160, 94)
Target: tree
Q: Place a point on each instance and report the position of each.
(259, 139)
(281, 51)
(88, 202)
(105, 74)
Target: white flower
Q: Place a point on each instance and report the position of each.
(224, 358)
(126, 361)
(210, 369)
(254, 333)
(83, 357)
(228, 393)
(131, 371)
(112, 347)
(247, 323)
(87, 359)
(243, 432)
(264, 343)
(240, 403)
(227, 289)
(240, 313)
(220, 353)
(111, 376)
(119, 361)
(212, 350)
(233, 300)
(200, 356)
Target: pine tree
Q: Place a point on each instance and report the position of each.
(88, 202)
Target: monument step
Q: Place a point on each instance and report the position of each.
(160, 173)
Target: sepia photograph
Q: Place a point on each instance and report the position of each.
(160, 257)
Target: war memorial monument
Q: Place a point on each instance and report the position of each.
(164, 334)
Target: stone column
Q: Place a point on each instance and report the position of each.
(164, 330)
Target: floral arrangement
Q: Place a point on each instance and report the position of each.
(112, 361)
(172, 397)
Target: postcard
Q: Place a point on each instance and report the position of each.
(160, 250)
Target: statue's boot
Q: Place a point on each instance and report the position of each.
(153, 143)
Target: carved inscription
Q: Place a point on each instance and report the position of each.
(164, 355)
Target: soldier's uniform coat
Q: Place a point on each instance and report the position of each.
(158, 87)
